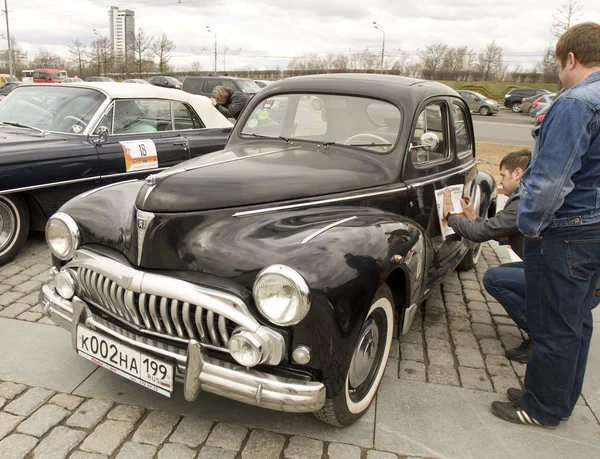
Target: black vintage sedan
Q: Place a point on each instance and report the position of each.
(57, 141)
(272, 272)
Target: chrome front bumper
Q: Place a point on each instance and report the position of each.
(198, 371)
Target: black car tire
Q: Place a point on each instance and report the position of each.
(376, 332)
(515, 107)
(14, 226)
(484, 111)
(471, 258)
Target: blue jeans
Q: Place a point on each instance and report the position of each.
(506, 284)
(561, 271)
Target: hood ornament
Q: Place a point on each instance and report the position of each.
(143, 220)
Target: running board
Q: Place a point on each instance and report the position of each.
(409, 315)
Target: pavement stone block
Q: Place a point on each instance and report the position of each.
(90, 413)
(395, 350)
(437, 332)
(510, 341)
(457, 310)
(59, 443)
(36, 269)
(487, 296)
(519, 368)
(43, 277)
(469, 357)
(156, 428)
(11, 270)
(372, 454)
(481, 317)
(10, 390)
(29, 401)
(342, 451)
(466, 275)
(474, 295)
(452, 288)
(30, 316)
(477, 306)
(472, 284)
(452, 298)
(176, 451)
(263, 445)
(210, 452)
(443, 345)
(107, 437)
(42, 420)
(442, 375)
(84, 455)
(8, 422)
(16, 446)
(130, 413)
(434, 303)
(191, 431)
(491, 346)
(501, 320)
(14, 310)
(28, 287)
(413, 352)
(460, 324)
(504, 382)
(482, 331)
(4, 288)
(16, 280)
(464, 339)
(31, 299)
(391, 368)
(413, 371)
(69, 402)
(509, 330)
(496, 309)
(413, 336)
(8, 298)
(46, 321)
(303, 448)
(132, 450)
(227, 436)
(435, 317)
(441, 358)
(2, 402)
(475, 378)
(498, 365)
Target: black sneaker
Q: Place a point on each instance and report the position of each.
(514, 395)
(512, 412)
(520, 354)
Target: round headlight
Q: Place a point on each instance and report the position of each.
(64, 284)
(245, 348)
(62, 236)
(281, 295)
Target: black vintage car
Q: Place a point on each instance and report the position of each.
(272, 272)
(57, 141)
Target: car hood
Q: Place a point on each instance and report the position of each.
(243, 176)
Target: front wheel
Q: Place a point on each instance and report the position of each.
(14, 226)
(516, 107)
(484, 111)
(367, 366)
(471, 259)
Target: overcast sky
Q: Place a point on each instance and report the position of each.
(264, 34)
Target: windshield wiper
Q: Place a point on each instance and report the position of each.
(21, 125)
(363, 144)
(260, 136)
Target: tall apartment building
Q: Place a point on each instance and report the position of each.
(122, 31)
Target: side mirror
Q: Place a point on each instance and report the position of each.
(102, 133)
(428, 142)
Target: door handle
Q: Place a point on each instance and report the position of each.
(184, 142)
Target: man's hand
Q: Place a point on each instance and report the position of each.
(468, 209)
(447, 205)
(213, 101)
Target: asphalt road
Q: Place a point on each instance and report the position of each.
(504, 127)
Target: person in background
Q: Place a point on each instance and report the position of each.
(559, 213)
(230, 103)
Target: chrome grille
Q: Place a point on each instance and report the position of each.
(156, 314)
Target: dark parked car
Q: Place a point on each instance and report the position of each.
(271, 272)
(514, 98)
(165, 82)
(204, 85)
(7, 88)
(99, 79)
(478, 103)
(61, 140)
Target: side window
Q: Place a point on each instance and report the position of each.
(107, 121)
(314, 125)
(209, 85)
(185, 117)
(139, 116)
(461, 130)
(425, 149)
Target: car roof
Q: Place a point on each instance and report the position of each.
(218, 77)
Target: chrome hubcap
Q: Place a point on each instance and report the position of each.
(365, 354)
(7, 224)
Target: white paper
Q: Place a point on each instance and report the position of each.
(457, 193)
(139, 155)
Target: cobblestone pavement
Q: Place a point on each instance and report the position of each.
(458, 339)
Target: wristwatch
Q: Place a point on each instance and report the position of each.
(450, 213)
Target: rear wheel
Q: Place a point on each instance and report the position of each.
(471, 259)
(516, 107)
(14, 226)
(484, 111)
(367, 365)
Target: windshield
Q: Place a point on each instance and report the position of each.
(357, 122)
(58, 109)
(248, 86)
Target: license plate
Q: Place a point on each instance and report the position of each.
(136, 366)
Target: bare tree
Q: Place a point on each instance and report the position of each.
(491, 61)
(140, 47)
(565, 16)
(162, 48)
(101, 55)
(196, 66)
(432, 58)
(366, 60)
(78, 51)
(46, 59)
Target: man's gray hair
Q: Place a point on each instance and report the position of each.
(222, 91)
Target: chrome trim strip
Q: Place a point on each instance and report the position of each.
(154, 314)
(164, 314)
(185, 312)
(199, 325)
(328, 227)
(142, 303)
(50, 185)
(123, 174)
(442, 177)
(210, 322)
(223, 330)
(129, 299)
(87, 193)
(175, 318)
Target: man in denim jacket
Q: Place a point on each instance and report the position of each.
(559, 214)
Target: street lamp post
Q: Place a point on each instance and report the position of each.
(381, 29)
(9, 51)
(208, 28)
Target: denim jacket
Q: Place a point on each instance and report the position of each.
(561, 186)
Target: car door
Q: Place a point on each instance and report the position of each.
(428, 172)
(141, 139)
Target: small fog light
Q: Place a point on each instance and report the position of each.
(301, 355)
(246, 348)
(64, 284)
